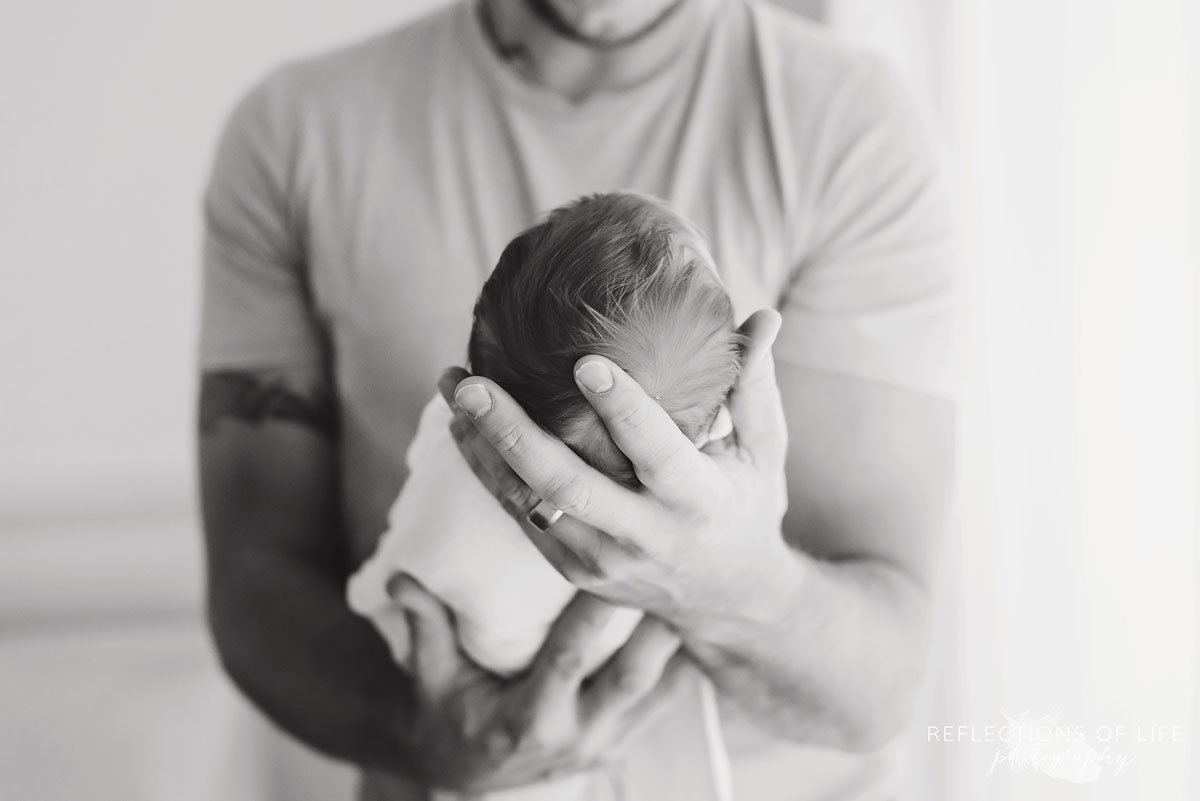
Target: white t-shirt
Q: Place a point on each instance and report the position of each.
(359, 199)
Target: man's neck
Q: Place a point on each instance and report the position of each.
(576, 70)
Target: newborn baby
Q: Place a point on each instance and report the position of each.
(620, 275)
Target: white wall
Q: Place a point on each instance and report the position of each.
(108, 115)
(1073, 131)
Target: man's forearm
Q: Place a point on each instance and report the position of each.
(835, 662)
(288, 640)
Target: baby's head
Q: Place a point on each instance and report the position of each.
(623, 276)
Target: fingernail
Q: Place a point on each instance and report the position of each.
(474, 399)
(595, 377)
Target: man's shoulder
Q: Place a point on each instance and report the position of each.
(818, 80)
(359, 73)
(807, 57)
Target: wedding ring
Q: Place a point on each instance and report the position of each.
(543, 516)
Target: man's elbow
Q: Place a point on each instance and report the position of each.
(883, 715)
(239, 633)
(884, 705)
(229, 643)
(874, 729)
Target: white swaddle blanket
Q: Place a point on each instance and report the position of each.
(447, 531)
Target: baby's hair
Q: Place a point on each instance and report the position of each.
(623, 276)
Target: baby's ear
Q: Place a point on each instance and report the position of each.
(722, 425)
(718, 429)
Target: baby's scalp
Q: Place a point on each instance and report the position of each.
(621, 275)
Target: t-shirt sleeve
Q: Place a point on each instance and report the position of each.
(873, 295)
(256, 309)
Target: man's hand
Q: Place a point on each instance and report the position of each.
(700, 543)
(476, 732)
(814, 624)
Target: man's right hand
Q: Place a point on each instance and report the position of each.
(477, 732)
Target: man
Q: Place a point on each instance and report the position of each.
(357, 203)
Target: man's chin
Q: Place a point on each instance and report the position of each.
(602, 37)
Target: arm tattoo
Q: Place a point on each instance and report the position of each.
(255, 398)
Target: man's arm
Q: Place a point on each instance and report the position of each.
(276, 580)
(837, 661)
(276, 570)
(865, 364)
(267, 449)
